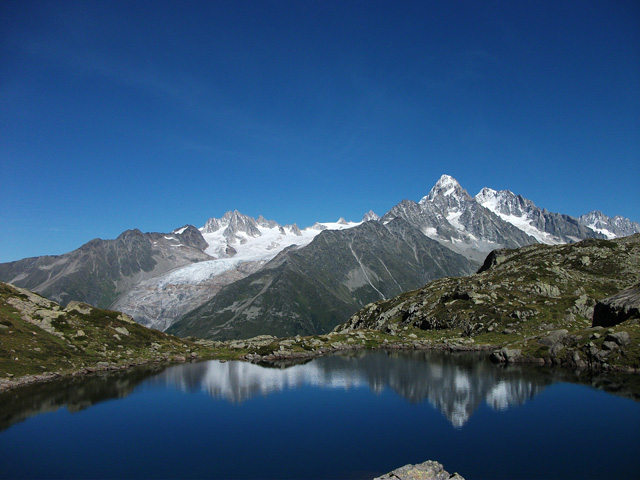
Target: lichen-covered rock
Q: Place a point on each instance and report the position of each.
(79, 307)
(428, 470)
(620, 338)
(554, 337)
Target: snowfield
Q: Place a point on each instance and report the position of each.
(249, 249)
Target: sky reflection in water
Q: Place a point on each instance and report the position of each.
(347, 416)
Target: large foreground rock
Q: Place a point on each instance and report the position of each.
(428, 470)
(617, 308)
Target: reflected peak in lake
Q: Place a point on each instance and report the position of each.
(353, 415)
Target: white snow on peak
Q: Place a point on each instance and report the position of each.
(445, 186)
(447, 181)
(453, 217)
(180, 231)
(488, 198)
(499, 201)
(248, 248)
(607, 233)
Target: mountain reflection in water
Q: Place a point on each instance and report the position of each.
(454, 383)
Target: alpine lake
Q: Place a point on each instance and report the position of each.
(353, 415)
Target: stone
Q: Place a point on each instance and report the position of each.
(506, 355)
(554, 337)
(79, 307)
(621, 338)
(618, 308)
(122, 331)
(429, 470)
(609, 345)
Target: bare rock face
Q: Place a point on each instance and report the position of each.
(617, 308)
(428, 470)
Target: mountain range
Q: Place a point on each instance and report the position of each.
(238, 276)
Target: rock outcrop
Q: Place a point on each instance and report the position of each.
(535, 303)
(428, 470)
(617, 308)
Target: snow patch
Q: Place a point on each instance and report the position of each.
(607, 233)
(453, 218)
(524, 224)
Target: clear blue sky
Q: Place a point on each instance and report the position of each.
(152, 115)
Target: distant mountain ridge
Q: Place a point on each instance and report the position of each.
(101, 270)
(609, 227)
(159, 278)
(449, 215)
(308, 290)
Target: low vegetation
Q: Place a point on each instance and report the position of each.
(534, 304)
(537, 301)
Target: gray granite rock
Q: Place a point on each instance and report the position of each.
(618, 308)
(621, 338)
(429, 470)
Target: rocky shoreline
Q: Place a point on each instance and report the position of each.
(555, 348)
(562, 351)
(100, 367)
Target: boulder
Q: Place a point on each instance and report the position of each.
(79, 307)
(122, 331)
(553, 338)
(428, 470)
(617, 308)
(506, 355)
(621, 338)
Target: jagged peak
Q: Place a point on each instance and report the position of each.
(500, 200)
(486, 193)
(342, 221)
(233, 221)
(134, 232)
(594, 214)
(183, 229)
(294, 229)
(446, 186)
(318, 226)
(370, 216)
(263, 222)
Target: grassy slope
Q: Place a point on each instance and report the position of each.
(74, 339)
(531, 292)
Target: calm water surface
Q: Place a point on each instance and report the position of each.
(353, 415)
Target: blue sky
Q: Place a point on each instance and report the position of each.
(152, 115)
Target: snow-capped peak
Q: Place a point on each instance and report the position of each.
(446, 186)
(370, 216)
(609, 227)
(180, 231)
(487, 196)
(504, 202)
